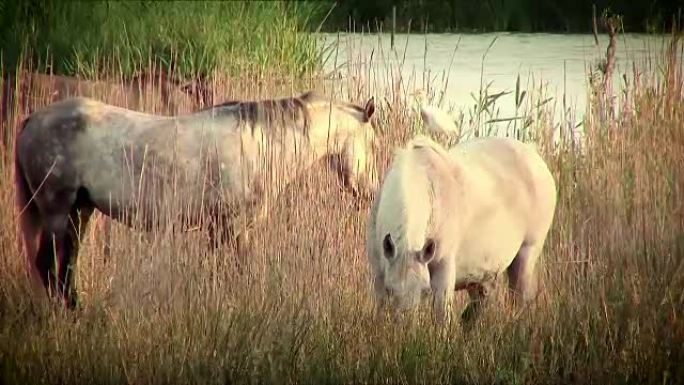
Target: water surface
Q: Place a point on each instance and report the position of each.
(558, 63)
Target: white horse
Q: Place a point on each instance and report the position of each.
(450, 220)
(204, 168)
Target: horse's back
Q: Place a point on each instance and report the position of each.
(88, 106)
(505, 159)
(528, 164)
(71, 103)
(75, 133)
(512, 177)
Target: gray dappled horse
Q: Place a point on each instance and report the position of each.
(200, 169)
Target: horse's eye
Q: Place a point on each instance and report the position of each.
(388, 246)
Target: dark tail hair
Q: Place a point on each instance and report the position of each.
(28, 216)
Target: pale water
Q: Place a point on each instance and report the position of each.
(560, 64)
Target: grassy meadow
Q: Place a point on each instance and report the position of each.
(165, 308)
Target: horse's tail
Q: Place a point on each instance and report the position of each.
(28, 217)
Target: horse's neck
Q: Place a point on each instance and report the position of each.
(449, 179)
(211, 115)
(292, 142)
(325, 142)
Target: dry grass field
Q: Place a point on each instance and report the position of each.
(165, 308)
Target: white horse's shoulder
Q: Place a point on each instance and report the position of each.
(530, 147)
(493, 146)
(527, 150)
(528, 157)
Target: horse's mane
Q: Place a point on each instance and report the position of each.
(411, 163)
(289, 112)
(281, 112)
(409, 201)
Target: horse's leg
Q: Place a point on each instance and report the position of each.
(478, 294)
(442, 283)
(242, 245)
(380, 295)
(259, 210)
(522, 279)
(59, 240)
(226, 233)
(44, 259)
(223, 231)
(240, 239)
(78, 223)
(31, 229)
(50, 249)
(214, 235)
(220, 230)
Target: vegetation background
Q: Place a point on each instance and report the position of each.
(564, 16)
(192, 40)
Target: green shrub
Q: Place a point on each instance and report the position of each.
(189, 38)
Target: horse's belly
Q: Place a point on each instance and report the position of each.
(155, 202)
(489, 248)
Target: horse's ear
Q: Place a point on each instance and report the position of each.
(369, 109)
(308, 95)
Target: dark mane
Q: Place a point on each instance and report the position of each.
(354, 107)
(270, 113)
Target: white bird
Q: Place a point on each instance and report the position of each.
(436, 120)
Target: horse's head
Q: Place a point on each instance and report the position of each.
(347, 134)
(406, 273)
(401, 243)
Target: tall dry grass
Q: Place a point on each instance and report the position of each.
(166, 309)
